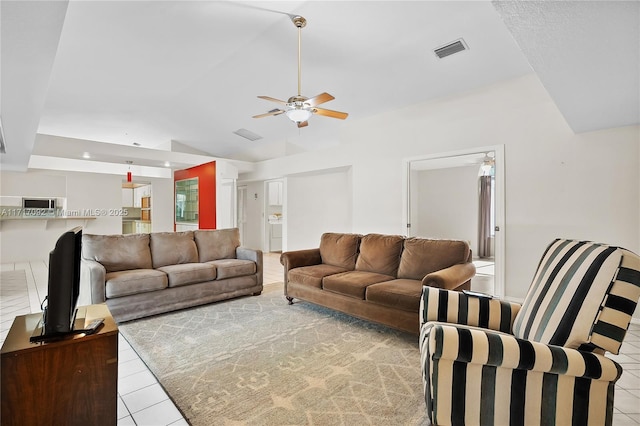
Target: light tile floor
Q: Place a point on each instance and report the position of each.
(485, 276)
(142, 401)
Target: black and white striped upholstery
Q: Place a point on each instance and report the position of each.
(490, 362)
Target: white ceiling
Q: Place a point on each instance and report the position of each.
(152, 72)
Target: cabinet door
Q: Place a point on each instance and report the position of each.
(275, 193)
(137, 197)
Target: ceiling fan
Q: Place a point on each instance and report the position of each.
(299, 108)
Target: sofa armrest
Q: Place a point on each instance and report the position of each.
(450, 278)
(458, 308)
(254, 255)
(93, 281)
(299, 258)
(506, 351)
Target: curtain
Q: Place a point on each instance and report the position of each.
(484, 217)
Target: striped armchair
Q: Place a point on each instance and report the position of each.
(490, 362)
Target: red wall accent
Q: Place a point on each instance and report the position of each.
(206, 174)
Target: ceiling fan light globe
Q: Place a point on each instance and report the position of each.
(298, 115)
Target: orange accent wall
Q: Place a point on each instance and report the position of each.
(206, 174)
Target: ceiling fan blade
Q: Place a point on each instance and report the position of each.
(303, 124)
(330, 113)
(269, 98)
(272, 112)
(319, 99)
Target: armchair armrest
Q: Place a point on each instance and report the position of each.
(452, 277)
(299, 258)
(92, 282)
(458, 308)
(483, 347)
(254, 255)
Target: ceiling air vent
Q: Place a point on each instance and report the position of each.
(247, 134)
(451, 48)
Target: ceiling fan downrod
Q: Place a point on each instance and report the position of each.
(300, 23)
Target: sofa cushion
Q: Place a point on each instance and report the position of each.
(214, 244)
(229, 268)
(189, 273)
(399, 294)
(352, 283)
(125, 283)
(421, 256)
(380, 253)
(118, 252)
(173, 248)
(339, 249)
(313, 275)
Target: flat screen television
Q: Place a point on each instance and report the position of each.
(64, 284)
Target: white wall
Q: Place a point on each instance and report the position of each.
(558, 184)
(315, 204)
(22, 240)
(447, 204)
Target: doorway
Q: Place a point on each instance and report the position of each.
(274, 218)
(137, 206)
(442, 200)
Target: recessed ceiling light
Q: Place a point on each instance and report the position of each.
(86, 155)
(167, 164)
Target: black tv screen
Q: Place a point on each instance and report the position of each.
(64, 283)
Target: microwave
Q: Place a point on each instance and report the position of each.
(38, 203)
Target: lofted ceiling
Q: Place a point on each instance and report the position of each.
(153, 72)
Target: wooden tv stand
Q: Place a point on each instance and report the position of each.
(73, 381)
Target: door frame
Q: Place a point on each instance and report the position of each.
(500, 210)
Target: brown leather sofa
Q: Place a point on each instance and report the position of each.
(376, 277)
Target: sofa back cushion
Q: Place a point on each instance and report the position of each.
(339, 249)
(173, 248)
(214, 244)
(118, 252)
(422, 256)
(380, 253)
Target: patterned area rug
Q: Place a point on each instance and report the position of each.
(259, 361)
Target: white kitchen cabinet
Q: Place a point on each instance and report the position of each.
(137, 198)
(275, 237)
(275, 193)
(143, 227)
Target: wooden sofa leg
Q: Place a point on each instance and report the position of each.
(290, 299)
